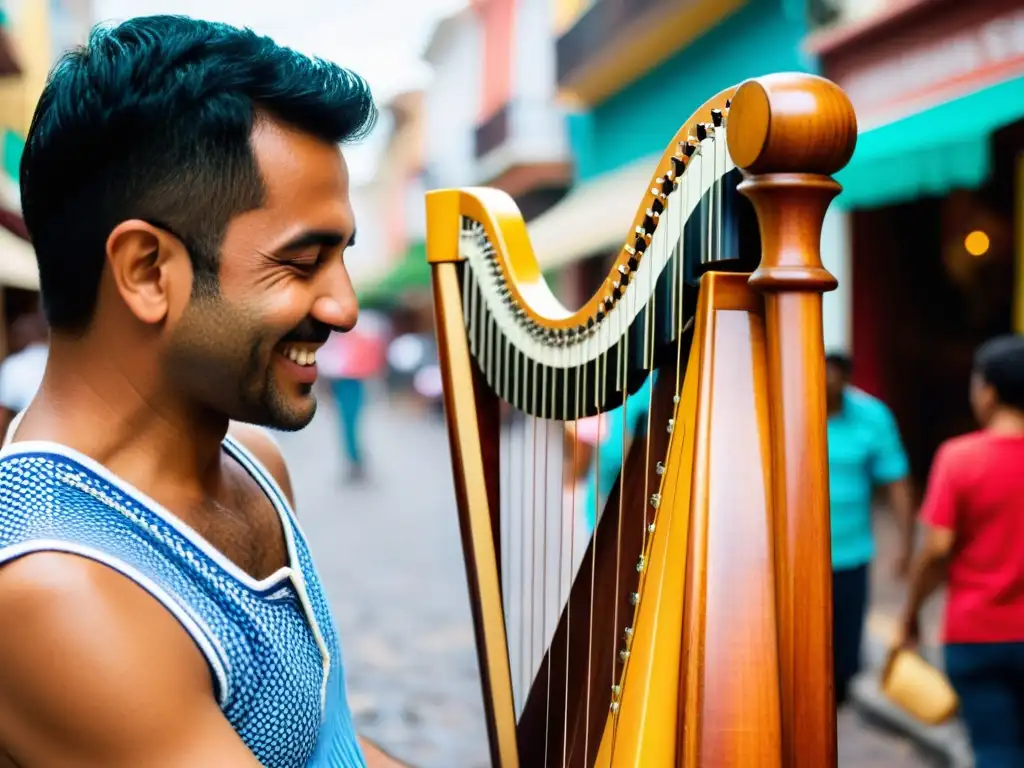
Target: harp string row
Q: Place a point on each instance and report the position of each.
(515, 337)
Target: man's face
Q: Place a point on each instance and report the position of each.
(835, 382)
(247, 352)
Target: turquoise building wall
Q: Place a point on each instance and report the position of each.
(762, 37)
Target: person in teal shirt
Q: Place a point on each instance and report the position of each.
(865, 454)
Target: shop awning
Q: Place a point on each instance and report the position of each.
(932, 152)
(594, 216)
(17, 262)
(411, 273)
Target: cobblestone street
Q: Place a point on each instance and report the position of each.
(390, 555)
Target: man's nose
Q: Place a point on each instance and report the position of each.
(336, 305)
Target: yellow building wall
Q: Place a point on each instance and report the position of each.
(30, 33)
(567, 12)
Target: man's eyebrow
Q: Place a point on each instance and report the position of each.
(328, 238)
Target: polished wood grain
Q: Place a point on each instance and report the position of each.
(788, 133)
(473, 501)
(730, 715)
(791, 123)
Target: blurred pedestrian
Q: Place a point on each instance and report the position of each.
(348, 361)
(865, 454)
(22, 371)
(973, 514)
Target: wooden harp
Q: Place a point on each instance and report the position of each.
(693, 628)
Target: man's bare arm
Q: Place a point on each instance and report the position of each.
(94, 672)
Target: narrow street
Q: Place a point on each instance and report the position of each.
(390, 555)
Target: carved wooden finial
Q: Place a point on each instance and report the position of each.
(791, 123)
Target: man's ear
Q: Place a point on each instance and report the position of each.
(150, 268)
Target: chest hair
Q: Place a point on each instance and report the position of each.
(240, 521)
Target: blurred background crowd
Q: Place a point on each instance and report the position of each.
(566, 105)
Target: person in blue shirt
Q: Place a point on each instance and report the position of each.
(865, 455)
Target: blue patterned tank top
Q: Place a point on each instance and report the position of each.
(271, 645)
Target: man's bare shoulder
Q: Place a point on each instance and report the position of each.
(95, 671)
(262, 445)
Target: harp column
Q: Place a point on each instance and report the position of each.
(789, 133)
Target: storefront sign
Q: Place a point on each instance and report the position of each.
(950, 51)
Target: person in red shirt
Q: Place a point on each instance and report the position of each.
(973, 514)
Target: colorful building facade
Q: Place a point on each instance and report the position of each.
(934, 195)
(34, 33)
(633, 72)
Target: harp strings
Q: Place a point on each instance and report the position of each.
(542, 578)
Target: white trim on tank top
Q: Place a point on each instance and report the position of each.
(147, 502)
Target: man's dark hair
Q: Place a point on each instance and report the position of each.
(1000, 362)
(841, 361)
(152, 119)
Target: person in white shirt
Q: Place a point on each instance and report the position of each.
(22, 371)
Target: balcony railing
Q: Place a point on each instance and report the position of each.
(522, 132)
(603, 21)
(492, 133)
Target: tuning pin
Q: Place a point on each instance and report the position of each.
(623, 270)
(617, 289)
(651, 220)
(689, 147)
(678, 165)
(703, 132)
(716, 117)
(728, 103)
(667, 184)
